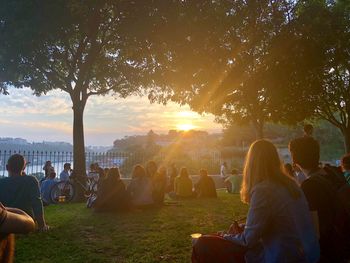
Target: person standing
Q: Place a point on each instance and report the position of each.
(223, 171)
(64, 175)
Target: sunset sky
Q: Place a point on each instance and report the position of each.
(49, 117)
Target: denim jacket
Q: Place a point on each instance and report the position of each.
(280, 225)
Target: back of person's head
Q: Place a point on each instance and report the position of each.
(203, 172)
(162, 171)
(114, 172)
(308, 129)
(345, 162)
(305, 152)
(52, 174)
(263, 163)
(138, 171)
(151, 168)
(224, 164)
(16, 164)
(101, 173)
(234, 171)
(184, 172)
(66, 166)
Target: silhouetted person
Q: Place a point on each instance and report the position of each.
(205, 187)
(159, 185)
(183, 184)
(308, 130)
(319, 193)
(172, 176)
(140, 188)
(111, 193)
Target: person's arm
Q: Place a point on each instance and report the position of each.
(37, 204)
(257, 219)
(15, 221)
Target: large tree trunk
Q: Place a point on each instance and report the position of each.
(79, 146)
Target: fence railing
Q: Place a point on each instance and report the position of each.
(124, 160)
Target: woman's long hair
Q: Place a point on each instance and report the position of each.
(263, 163)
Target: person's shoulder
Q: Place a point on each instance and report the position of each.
(30, 179)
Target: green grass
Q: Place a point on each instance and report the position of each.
(156, 235)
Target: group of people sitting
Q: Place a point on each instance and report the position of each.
(148, 187)
(288, 220)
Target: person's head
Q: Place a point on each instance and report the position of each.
(114, 172)
(92, 167)
(162, 171)
(308, 129)
(183, 172)
(52, 174)
(263, 163)
(67, 167)
(15, 164)
(305, 152)
(101, 173)
(345, 162)
(106, 170)
(234, 171)
(151, 168)
(138, 171)
(48, 163)
(203, 173)
(224, 164)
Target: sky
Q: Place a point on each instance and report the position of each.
(106, 118)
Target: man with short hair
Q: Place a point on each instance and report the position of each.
(318, 191)
(22, 191)
(308, 130)
(64, 175)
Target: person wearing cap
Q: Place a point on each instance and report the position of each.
(64, 175)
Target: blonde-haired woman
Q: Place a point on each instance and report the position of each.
(278, 226)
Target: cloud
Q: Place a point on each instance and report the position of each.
(49, 117)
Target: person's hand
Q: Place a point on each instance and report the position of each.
(44, 228)
(221, 233)
(235, 228)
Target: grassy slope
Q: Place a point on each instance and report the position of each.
(158, 235)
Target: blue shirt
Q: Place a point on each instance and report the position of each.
(64, 176)
(45, 189)
(281, 224)
(22, 192)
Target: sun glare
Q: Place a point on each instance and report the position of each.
(185, 127)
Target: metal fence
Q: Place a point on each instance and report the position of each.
(36, 160)
(125, 161)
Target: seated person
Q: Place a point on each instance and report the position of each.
(205, 187)
(159, 185)
(46, 186)
(278, 227)
(140, 188)
(22, 191)
(111, 193)
(345, 165)
(12, 221)
(235, 181)
(64, 175)
(183, 184)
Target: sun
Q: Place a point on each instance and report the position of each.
(185, 126)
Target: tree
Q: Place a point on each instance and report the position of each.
(84, 48)
(317, 63)
(220, 62)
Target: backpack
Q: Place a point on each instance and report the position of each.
(341, 225)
